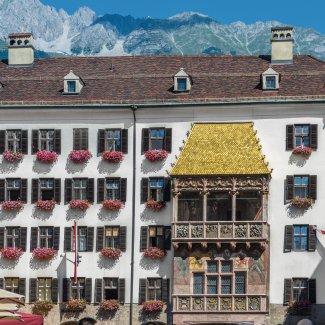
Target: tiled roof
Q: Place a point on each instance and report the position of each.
(149, 79)
(221, 149)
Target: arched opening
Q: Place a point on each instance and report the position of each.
(19, 42)
(288, 35)
(281, 35)
(12, 42)
(26, 41)
(275, 36)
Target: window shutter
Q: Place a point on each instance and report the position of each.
(88, 289)
(1, 283)
(33, 238)
(66, 282)
(67, 239)
(123, 189)
(54, 290)
(22, 286)
(290, 187)
(90, 239)
(311, 238)
(313, 136)
(165, 290)
(121, 290)
(90, 188)
(2, 237)
(144, 190)
(287, 291)
(145, 141)
(2, 190)
(168, 237)
(32, 290)
(56, 238)
(98, 290)
(57, 141)
(100, 141)
(2, 141)
(23, 190)
(123, 239)
(313, 187)
(143, 238)
(288, 238)
(23, 238)
(34, 141)
(100, 190)
(24, 142)
(168, 140)
(312, 290)
(57, 190)
(142, 290)
(289, 137)
(84, 139)
(100, 239)
(167, 189)
(67, 190)
(124, 134)
(35, 189)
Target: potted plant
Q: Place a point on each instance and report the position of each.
(79, 204)
(76, 304)
(156, 154)
(12, 205)
(301, 202)
(152, 306)
(299, 308)
(113, 205)
(112, 253)
(46, 156)
(302, 151)
(155, 205)
(154, 253)
(43, 253)
(12, 157)
(110, 305)
(11, 253)
(41, 307)
(113, 156)
(80, 156)
(46, 205)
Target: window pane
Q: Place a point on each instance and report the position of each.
(190, 206)
(270, 82)
(181, 84)
(212, 267)
(212, 285)
(240, 282)
(71, 86)
(226, 266)
(225, 284)
(198, 283)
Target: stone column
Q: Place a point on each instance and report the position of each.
(205, 204)
(176, 194)
(233, 194)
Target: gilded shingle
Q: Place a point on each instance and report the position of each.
(221, 149)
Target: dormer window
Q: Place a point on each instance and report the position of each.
(72, 84)
(182, 81)
(72, 87)
(270, 79)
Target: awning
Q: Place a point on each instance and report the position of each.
(22, 319)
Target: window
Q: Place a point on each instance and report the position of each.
(182, 81)
(80, 139)
(156, 138)
(302, 135)
(219, 206)
(300, 238)
(13, 189)
(156, 191)
(190, 207)
(248, 205)
(12, 285)
(112, 237)
(301, 186)
(181, 84)
(113, 140)
(46, 189)
(110, 288)
(240, 282)
(71, 86)
(46, 140)
(156, 237)
(198, 283)
(13, 237)
(46, 237)
(14, 140)
(300, 289)
(270, 82)
(113, 190)
(78, 288)
(154, 288)
(45, 289)
(82, 239)
(270, 79)
(80, 189)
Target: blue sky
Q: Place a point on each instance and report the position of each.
(294, 12)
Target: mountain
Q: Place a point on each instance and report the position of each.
(84, 33)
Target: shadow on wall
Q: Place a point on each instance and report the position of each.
(105, 263)
(295, 212)
(75, 214)
(36, 264)
(106, 215)
(154, 216)
(7, 264)
(107, 168)
(151, 166)
(299, 161)
(41, 214)
(73, 168)
(151, 318)
(9, 215)
(42, 168)
(8, 167)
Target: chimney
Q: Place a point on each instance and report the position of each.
(20, 49)
(282, 45)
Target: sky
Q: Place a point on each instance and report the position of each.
(293, 12)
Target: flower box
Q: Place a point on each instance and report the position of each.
(156, 154)
(112, 253)
(113, 156)
(302, 151)
(109, 305)
(12, 205)
(12, 157)
(76, 304)
(79, 204)
(42, 253)
(46, 205)
(42, 307)
(11, 253)
(112, 205)
(155, 205)
(80, 156)
(153, 306)
(299, 308)
(154, 253)
(302, 203)
(46, 156)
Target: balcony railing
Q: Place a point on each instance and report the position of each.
(220, 303)
(222, 230)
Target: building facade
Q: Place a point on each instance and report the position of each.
(226, 232)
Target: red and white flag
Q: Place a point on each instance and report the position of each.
(75, 250)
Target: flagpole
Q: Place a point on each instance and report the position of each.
(75, 251)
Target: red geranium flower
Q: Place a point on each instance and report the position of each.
(79, 156)
(113, 156)
(11, 253)
(156, 154)
(46, 156)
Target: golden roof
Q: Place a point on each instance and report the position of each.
(221, 149)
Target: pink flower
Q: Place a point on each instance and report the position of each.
(75, 304)
(154, 253)
(42, 307)
(12, 205)
(302, 150)
(109, 305)
(47, 205)
(155, 205)
(112, 253)
(301, 202)
(43, 253)
(12, 156)
(46, 156)
(79, 156)
(112, 205)
(113, 156)
(11, 253)
(156, 154)
(79, 204)
(152, 306)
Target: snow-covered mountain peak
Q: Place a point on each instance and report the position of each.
(186, 15)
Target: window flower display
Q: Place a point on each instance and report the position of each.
(113, 156)
(43, 253)
(46, 156)
(301, 202)
(41, 307)
(113, 205)
(12, 157)
(156, 154)
(109, 305)
(154, 253)
(302, 151)
(155, 205)
(46, 205)
(80, 156)
(299, 308)
(76, 304)
(11, 253)
(79, 204)
(112, 253)
(12, 205)
(153, 306)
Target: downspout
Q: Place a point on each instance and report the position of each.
(133, 109)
